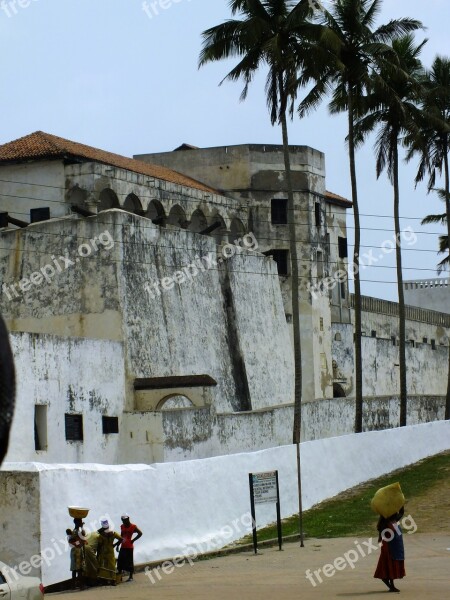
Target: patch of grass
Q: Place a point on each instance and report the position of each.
(349, 513)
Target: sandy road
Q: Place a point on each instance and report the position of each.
(273, 574)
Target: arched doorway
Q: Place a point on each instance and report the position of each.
(133, 204)
(156, 213)
(108, 199)
(198, 222)
(177, 217)
(175, 402)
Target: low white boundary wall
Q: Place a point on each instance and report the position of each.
(180, 505)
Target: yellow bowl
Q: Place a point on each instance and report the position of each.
(78, 513)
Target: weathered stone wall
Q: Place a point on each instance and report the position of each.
(225, 319)
(426, 367)
(20, 506)
(198, 433)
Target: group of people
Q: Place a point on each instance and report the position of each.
(92, 558)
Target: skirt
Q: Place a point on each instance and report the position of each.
(125, 560)
(388, 568)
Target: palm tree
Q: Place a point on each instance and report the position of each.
(442, 219)
(271, 34)
(392, 106)
(433, 145)
(354, 48)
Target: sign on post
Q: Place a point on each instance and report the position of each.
(264, 489)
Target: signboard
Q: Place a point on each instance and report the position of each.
(265, 487)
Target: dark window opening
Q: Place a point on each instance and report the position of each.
(412, 343)
(343, 248)
(394, 340)
(279, 207)
(281, 257)
(425, 340)
(343, 290)
(373, 333)
(433, 344)
(338, 391)
(317, 214)
(40, 427)
(320, 266)
(110, 424)
(74, 428)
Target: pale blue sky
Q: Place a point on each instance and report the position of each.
(104, 73)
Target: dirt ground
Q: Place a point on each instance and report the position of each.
(431, 512)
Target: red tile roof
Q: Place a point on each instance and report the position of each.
(44, 146)
(339, 200)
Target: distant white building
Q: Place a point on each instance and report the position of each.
(433, 294)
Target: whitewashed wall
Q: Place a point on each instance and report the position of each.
(71, 375)
(178, 505)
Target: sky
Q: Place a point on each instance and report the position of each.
(112, 75)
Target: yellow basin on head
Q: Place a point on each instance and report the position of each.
(78, 513)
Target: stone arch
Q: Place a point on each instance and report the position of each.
(175, 402)
(156, 212)
(237, 230)
(108, 199)
(132, 204)
(77, 196)
(338, 391)
(198, 221)
(177, 217)
(220, 232)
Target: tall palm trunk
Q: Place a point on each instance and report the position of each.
(295, 302)
(447, 208)
(358, 348)
(401, 296)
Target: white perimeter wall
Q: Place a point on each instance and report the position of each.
(178, 505)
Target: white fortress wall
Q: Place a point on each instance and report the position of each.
(188, 504)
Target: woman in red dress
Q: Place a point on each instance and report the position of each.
(125, 561)
(391, 564)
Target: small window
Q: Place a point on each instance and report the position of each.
(373, 333)
(338, 337)
(281, 257)
(321, 323)
(343, 248)
(425, 340)
(320, 269)
(110, 425)
(433, 344)
(74, 428)
(394, 340)
(412, 343)
(317, 214)
(279, 208)
(40, 427)
(343, 290)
